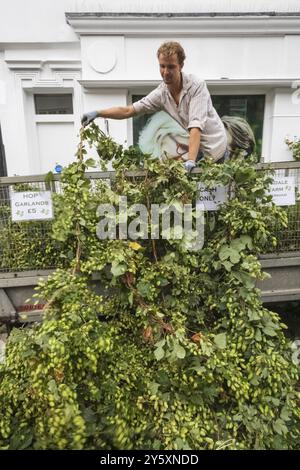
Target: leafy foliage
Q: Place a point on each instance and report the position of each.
(26, 245)
(144, 344)
(294, 146)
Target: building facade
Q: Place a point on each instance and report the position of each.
(61, 58)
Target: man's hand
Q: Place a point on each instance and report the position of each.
(189, 165)
(87, 118)
(185, 157)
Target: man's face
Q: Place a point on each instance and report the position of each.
(170, 69)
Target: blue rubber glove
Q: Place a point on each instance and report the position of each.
(189, 165)
(87, 118)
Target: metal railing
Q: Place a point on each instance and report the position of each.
(288, 239)
(26, 246)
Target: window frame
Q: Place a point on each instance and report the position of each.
(35, 95)
(33, 119)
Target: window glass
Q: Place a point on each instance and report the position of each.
(139, 122)
(53, 104)
(249, 107)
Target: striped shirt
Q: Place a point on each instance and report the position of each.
(195, 109)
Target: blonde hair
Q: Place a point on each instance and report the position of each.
(170, 48)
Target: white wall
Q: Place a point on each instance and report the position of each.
(55, 144)
(285, 122)
(44, 20)
(12, 120)
(35, 21)
(105, 98)
(24, 71)
(213, 58)
(186, 6)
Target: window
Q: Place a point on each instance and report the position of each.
(249, 107)
(53, 104)
(139, 122)
(54, 139)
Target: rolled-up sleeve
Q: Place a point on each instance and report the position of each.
(199, 105)
(149, 104)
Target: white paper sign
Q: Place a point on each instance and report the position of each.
(31, 205)
(283, 191)
(211, 198)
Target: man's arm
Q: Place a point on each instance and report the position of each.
(117, 112)
(194, 143)
(198, 112)
(148, 104)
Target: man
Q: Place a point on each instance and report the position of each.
(186, 99)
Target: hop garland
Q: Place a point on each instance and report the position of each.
(144, 344)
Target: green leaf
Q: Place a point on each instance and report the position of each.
(49, 177)
(227, 265)
(28, 353)
(153, 387)
(279, 443)
(254, 381)
(269, 331)
(21, 440)
(181, 444)
(180, 351)
(227, 252)
(162, 281)
(253, 315)
(280, 427)
(258, 336)
(285, 414)
(237, 417)
(253, 214)
(244, 175)
(118, 269)
(244, 278)
(130, 298)
(161, 343)
(275, 401)
(87, 413)
(159, 353)
(247, 240)
(69, 411)
(234, 256)
(143, 287)
(220, 340)
(237, 245)
(53, 388)
(206, 348)
(224, 253)
(27, 440)
(90, 162)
